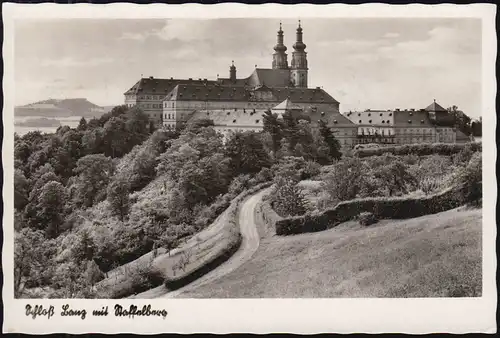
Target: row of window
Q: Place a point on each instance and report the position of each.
(150, 105)
(150, 97)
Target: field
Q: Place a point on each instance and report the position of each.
(431, 256)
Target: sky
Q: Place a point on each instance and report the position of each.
(364, 63)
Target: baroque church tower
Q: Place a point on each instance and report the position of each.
(279, 57)
(298, 73)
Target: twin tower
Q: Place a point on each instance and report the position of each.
(298, 69)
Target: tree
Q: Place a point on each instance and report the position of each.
(115, 137)
(203, 181)
(85, 248)
(287, 199)
(32, 253)
(93, 139)
(462, 121)
(196, 125)
(51, 207)
(21, 187)
(394, 177)
(118, 198)
(22, 151)
(82, 125)
(477, 127)
(137, 125)
(93, 274)
(291, 133)
(343, 183)
(160, 140)
(94, 172)
(305, 146)
(72, 143)
(274, 127)
(143, 169)
(246, 153)
(330, 140)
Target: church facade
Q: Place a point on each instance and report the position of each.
(238, 103)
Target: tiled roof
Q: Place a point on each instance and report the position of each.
(270, 77)
(331, 117)
(286, 105)
(239, 82)
(156, 86)
(239, 117)
(409, 118)
(435, 107)
(216, 92)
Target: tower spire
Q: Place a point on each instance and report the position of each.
(298, 75)
(279, 57)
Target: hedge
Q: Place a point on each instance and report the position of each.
(269, 216)
(381, 207)
(421, 149)
(216, 258)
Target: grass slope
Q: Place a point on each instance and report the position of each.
(431, 256)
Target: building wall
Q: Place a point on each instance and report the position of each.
(176, 111)
(151, 104)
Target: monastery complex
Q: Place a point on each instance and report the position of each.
(237, 104)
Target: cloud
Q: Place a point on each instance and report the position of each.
(391, 35)
(69, 62)
(134, 36)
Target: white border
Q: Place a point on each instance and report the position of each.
(415, 316)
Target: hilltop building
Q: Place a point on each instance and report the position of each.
(429, 125)
(238, 103)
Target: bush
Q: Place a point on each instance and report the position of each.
(419, 149)
(464, 155)
(343, 181)
(381, 207)
(287, 198)
(429, 185)
(367, 218)
(471, 178)
(290, 166)
(311, 169)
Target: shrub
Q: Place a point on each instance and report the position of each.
(367, 218)
(429, 185)
(381, 207)
(419, 149)
(471, 178)
(290, 166)
(343, 181)
(464, 155)
(264, 175)
(311, 169)
(287, 198)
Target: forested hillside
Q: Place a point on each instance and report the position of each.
(95, 197)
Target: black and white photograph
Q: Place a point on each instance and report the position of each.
(228, 157)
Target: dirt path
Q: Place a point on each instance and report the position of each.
(249, 244)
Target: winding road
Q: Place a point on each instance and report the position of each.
(249, 245)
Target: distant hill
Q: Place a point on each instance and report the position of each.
(61, 108)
